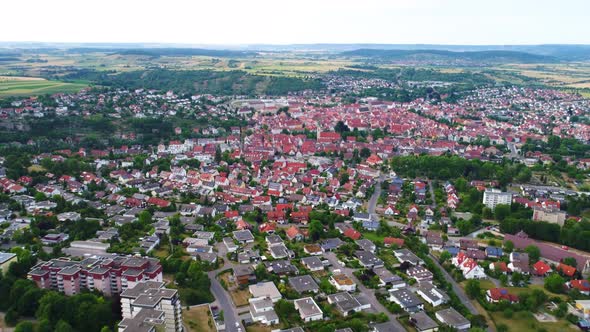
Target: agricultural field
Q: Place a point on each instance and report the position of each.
(567, 75)
(24, 86)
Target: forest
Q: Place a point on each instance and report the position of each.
(233, 82)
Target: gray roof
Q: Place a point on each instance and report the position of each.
(6, 256)
(385, 327)
(406, 298)
(344, 302)
(308, 307)
(244, 235)
(451, 317)
(422, 321)
(312, 262)
(303, 284)
(433, 292)
(405, 255)
(368, 258)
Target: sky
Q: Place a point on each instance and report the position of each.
(243, 22)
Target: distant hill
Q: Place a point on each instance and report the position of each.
(157, 52)
(443, 55)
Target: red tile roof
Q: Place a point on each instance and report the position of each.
(566, 269)
(541, 268)
(352, 234)
(498, 294)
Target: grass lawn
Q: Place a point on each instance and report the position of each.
(373, 236)
(198, 319)
(239, 296)
(524, 321)
(487, 284)
(388, 258)
(163, 251)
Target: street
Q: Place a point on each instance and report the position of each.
(458, 290)
(372, 204)
(369, 293)
(224, 302)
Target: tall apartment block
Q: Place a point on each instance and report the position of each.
(493, 197)
(107, 274)
(149, 307)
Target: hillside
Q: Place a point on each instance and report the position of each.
(441, 55)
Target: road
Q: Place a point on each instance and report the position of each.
(431, 189)
(230, 313)
(368, 293)
(513, 152)
(458, 290)
(223, 300)
(375, 197)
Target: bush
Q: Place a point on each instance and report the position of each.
(11, 317)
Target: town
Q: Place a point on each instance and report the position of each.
(309, 211)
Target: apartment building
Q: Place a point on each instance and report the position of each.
(107, 274)
(150, 307)
(494, 197)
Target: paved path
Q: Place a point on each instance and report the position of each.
(368, 293)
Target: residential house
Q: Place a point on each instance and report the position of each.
(312, 263)
(432, 294)
(496, 295)
(303, 284)
(308, 310)
(368, 259)
(244, 274)
(347, 304)
(343, 283)
(422, 322)
(541, 268)
(264, 290)
(453, 319)
(406, 299)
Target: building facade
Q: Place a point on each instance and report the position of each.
(107, 274)
(149, 306)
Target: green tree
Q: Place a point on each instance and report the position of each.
(517, 278)
(316, 230)
(341, 127)
(501, 211)
(508, 246)
(503, 280)
(25, 326)
(63, 326)
(473, 288)
(554, 283)
(534, 253)
(365, 152)
(570, 261)
(444, 256)
(145, 217)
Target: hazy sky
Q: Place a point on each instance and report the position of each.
(298, 21)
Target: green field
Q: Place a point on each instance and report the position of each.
(25, 87)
